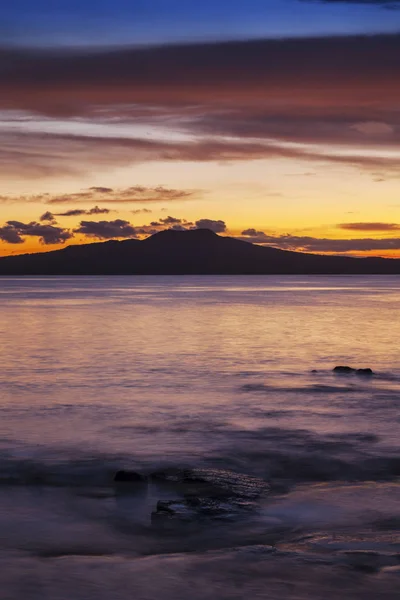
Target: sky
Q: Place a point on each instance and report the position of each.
(274, 121)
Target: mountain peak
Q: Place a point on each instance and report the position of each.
(174, 236)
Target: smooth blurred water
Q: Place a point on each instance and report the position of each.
(103, 373)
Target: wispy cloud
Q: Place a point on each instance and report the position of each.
(370, 226)
(131, 195)
(77, 212)
(316, 245)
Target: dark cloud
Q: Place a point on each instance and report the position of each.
(105, 230)
(10, 235)
(171, 221)
(144, 211)
(313, 244)
(352, 127)
(14, 232)
(305, 70)
(101, 190)
(179, 228)
(132, 194)
(96, 210)
(76, 212)
(216, 226)
(253, 233)
(370, 226)
(48, 217)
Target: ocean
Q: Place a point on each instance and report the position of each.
(254, 470)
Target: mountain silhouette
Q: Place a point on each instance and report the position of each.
(194, 252)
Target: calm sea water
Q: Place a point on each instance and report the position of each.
(228, 373)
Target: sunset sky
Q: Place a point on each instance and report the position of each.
(276, 121)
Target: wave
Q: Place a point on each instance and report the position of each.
(283, 456)
(307, 389)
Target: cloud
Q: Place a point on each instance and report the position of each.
(72, 213)
(270, 91)
(96, 210)
(254, 73)
(370, 226)
(128, 195)
(76, 212)
(216, 226)
(14, 232)
(124, 229)
(48, 217)
(10, 235)
(133, 194)
(324, 125)
(171, 221)
(253, 233)
(374, 128)
(38, 156)
(101, 190)
(144, 211)
(324, 245)
(178, 228)
(105, 230)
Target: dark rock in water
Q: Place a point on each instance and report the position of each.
(345, 370)
(208, 493)
(364, 372)
(212, 483)
(129, 477)
(173, 509)
(170, 506)
(194, 509)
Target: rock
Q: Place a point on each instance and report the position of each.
(129, 477)
(365, 372)
(344, 370)
(213, 483)
(173, 509)
(207, 493)
(193, 509)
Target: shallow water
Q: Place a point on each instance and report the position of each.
(148, 373)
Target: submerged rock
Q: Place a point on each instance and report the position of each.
(208, 493)
(172, 509)
(193, 509)
(129, 477)
(213, 483)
